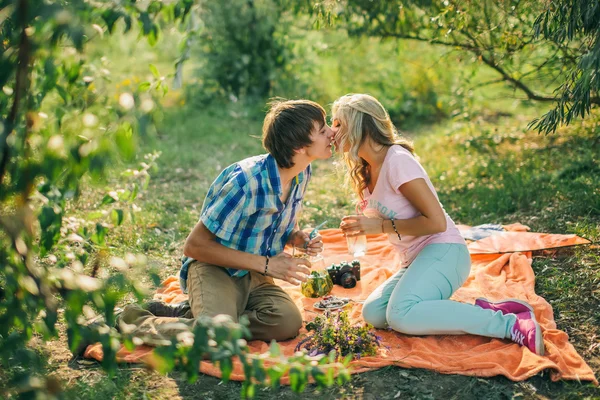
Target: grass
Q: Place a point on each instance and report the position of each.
(486, 166)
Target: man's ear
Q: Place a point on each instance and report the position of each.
(300, 151)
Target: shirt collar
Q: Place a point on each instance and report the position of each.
(273, 173)
(275, 178)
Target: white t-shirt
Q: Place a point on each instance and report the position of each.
(387, 202)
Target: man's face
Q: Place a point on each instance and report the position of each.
(322, 139)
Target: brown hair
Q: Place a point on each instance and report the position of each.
(287, 127)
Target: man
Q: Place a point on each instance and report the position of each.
(248, 216)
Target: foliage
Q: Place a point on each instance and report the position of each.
(60, 129)
(576, 22)
(242, 47)
(332, 332)
(503, 35)
(220, 339)
(57, 128)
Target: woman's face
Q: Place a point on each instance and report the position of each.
(336, 127)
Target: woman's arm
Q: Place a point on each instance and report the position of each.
(432, 219)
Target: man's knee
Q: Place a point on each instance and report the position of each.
(289, 324)
(280, 324)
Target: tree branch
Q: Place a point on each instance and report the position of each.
(21, 79)
(464, 46)
(478, 50)
(482, 84)
(515, 82)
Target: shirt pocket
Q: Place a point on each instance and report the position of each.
(261, 220)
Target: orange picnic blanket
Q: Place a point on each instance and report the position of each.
(501, 269)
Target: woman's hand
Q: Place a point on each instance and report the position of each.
(302, 242)
(356, 225)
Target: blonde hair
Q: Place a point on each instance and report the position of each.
(361, 116)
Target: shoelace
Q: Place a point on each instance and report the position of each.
(517, 336)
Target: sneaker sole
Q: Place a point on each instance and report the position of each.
(525, 304)
(539, 339)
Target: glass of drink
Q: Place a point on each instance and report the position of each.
(317, 263)
(357, 245)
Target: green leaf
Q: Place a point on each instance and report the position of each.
(154, 70)
(125, 195)
(146, 23)
(128, 343)
(274, 350)
(64, 95)
(144, 86)
(50, 222)
(126, 141)
(347, 359)
(153, 36)
(110, 17)
(226, 368)
(295, 379)
(275, 373)
(108, 199)
(95, 215)
(248, 390)
(117, 217)
(134, 192)
(319, 376)
(259, 370)
(330, 377)
(132, 215)
(99, 238)
(76, 34)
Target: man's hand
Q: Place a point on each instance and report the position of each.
(302, 241)
(293, 270)
(356, 225)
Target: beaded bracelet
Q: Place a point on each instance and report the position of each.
(396, 230)
(266, 266)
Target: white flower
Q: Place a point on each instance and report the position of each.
(90, 120)
(126, 101)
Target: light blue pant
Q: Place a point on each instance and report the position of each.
(415, 299)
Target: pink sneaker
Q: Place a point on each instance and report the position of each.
(508, 306)
(527, 332)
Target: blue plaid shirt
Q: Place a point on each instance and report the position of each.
(243, 210)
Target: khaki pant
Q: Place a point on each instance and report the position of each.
(271, 312)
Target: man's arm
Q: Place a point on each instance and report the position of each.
(202, 246)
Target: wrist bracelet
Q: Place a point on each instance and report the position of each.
(266, 266)
(396, 230)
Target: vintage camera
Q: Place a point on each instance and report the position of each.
(345, 274)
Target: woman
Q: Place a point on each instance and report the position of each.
(398, 198)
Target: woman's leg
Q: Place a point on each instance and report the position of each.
(419, 303)
(374, 308)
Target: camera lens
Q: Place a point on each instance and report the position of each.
(347, 280)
